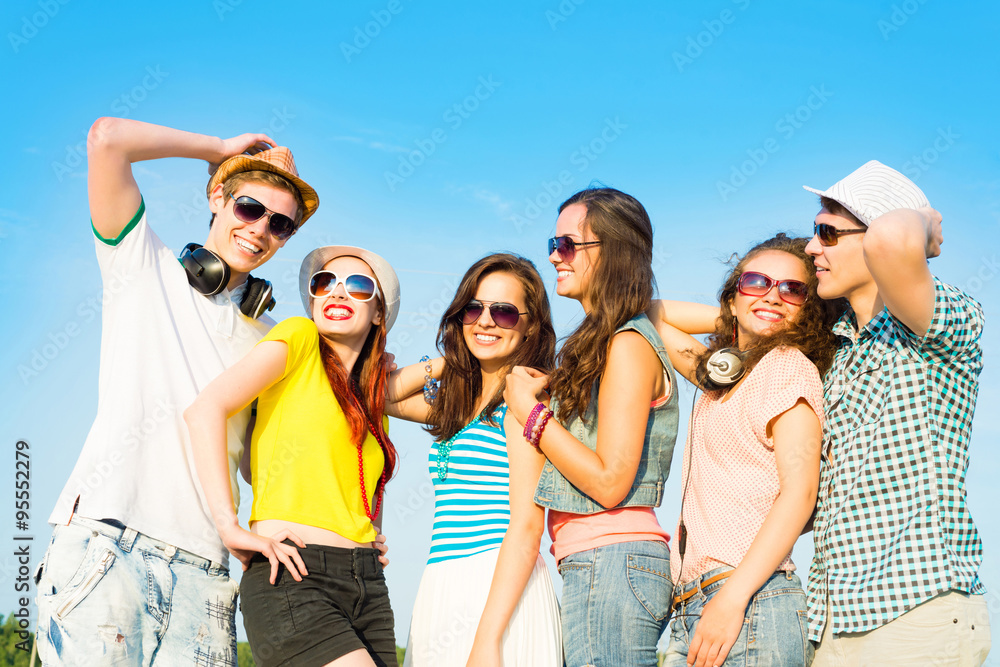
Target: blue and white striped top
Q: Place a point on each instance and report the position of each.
(472, 504)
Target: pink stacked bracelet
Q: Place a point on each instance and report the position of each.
(535, 424)
(529, 423)
(536, 436)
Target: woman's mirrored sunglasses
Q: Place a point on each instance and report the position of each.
(566, 247)
(248, 209)
(357, 285)
(828, 234)
(757, 284)
(504, 315)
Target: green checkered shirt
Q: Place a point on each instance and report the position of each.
(892, 526)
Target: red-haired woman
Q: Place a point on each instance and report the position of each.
(319, 460)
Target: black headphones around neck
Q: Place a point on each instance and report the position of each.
(209, 274)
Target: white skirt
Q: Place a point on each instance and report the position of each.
(450, 602)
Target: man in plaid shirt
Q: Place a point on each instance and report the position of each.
(894, 577)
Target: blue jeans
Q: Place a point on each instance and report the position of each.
(615, 604)
(108, 595)
(774, 629)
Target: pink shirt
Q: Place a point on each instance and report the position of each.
(573, 533)
(734, 475)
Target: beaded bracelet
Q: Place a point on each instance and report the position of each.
(536, 436)
(529, 423)
(430, 384)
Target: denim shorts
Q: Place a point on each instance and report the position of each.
(615, 604)
(340, 607)
(108, 595)
(775, 627)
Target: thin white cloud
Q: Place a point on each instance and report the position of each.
(388, 148)
(381, 146)
(500, 205)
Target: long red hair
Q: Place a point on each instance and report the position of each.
(361, 394)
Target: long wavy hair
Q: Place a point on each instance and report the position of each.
(361, 394)
(462, 381)
(811, 332)
(621, 286)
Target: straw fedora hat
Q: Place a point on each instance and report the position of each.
(277, 160)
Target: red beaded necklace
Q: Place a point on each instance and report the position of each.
(380, 487)
(361, 474)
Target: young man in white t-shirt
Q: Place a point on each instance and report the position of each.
(136, 573)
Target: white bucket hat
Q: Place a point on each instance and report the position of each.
(384, 273)
(873, 190)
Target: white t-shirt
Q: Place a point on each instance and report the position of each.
(162, 343)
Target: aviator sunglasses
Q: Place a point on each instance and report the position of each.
(828, 234)
(504, 315)
(248, 209)
(756, 284)
(566, 247)
(357, 285)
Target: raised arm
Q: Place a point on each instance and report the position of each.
(897, 246)
(632, 379)
(683, 350)
(518, 551)
(206, 420)
(113, 144)
(685, 316)
(797, 440)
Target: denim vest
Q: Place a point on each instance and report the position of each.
(556, 492)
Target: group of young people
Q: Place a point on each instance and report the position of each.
(838, 386)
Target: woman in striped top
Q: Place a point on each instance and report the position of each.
(485, 597)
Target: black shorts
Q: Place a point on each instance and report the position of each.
(342, 606)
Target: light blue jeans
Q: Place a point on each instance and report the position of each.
(615, 604)
(774, 629)
(108, 595)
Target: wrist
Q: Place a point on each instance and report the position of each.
(227, 527)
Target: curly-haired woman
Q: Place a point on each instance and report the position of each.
(751, 468)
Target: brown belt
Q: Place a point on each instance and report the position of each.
(684, 597)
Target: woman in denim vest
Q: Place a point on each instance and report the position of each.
(608, 437)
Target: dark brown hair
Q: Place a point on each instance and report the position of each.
(811, 332)
(835, 207)
(462, 380)
(361, 395)
(620, 287)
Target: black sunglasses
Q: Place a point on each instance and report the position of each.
(504, 315)
(248, 209)
(566, 247)
(828, 234)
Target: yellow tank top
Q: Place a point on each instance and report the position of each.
(303, 461)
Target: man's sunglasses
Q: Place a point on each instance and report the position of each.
(756, 284)
(504, 315)
(566, 247)
(828, 234)
(248, 209)
(357, 285)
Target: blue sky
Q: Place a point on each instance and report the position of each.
(436, 133)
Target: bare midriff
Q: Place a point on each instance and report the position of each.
(308, 534)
